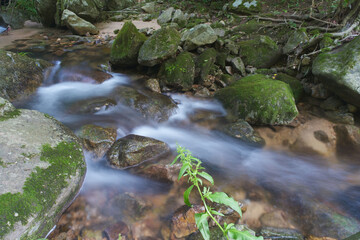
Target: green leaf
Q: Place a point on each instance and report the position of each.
(235, 234)
(201, 220)
(175, 159)
(223, 198)
(227, 227)
(183, 170)
(186, 195)
(207, 177)
(216, 213)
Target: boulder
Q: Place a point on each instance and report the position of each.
(77, 25)
(179, 18)
(348, 139)
(260, 52)
(245, 6)
(133, 150)
(160, 46)
(46, 9)
(97, 140)
(197, 36)
(178, 72)
(295, 85)
(259, 100)
(205, 63)
(41, 171)
(238, 66)
(20, 75)
(242, 131)
(125, 49)
(339, 71)
(6, 108)
(296, 38)
(149, 7)
(114, 5)
(165, 16)
(85, 9)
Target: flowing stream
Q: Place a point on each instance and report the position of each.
(237, 167)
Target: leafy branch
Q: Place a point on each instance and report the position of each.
(191, 167)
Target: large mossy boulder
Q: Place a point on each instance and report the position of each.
(125, 49)
(114, 5)
(20, 75)
(41, 171)
(245, 6)
(178, 72)
(160, 46)
(46, 10)
(259, 100)
(260, 52)
(134, 149)
(197, 36)
(76, 24)
(205, 62)
(85, 9)
(295, 85)
(339, 71)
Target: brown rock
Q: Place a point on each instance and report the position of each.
(183, 221)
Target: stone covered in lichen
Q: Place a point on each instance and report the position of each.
(339, 71)
(41, 171)
(197, 36)
(259, 100)
(125, 49)
(205, 62)
(19, 75)
(295, 85)
(160, 46)
(260, 52)
(178, 72)
(245, 6)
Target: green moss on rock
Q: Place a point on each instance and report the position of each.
(10, 115)
(179, 72)
(125, 49)
(205, 62)
(259, 100)
(41, 189)
(260, 52)
(160, 46)
(295, 85)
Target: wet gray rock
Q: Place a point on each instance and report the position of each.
(77, 25)
(153, 85)
(20, 75)
(339, 71)
(133, 150)
(197, 36)
(41, 171)
(238, 66)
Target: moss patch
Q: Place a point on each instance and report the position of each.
(9, 115)
(42, 188)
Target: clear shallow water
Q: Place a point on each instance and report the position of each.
(229, 159)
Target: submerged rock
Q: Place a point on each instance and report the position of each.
(78, 25)
(339, 71)
(41, 171)
(20, 75)
(133, 150)
(260, 52)
(197, 36)
(125, 49)
(160, 46)
(178, 72)
(259, 100)
(97, 140)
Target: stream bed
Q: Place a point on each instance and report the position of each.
(279, 189)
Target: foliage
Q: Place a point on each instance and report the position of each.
(191, 167)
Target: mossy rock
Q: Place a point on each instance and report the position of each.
(252, 27)
(160, 46)
(20, 75)
(259, 100)
(327, 41)
(245, 6)
(41, 176)
(85, 9)
(295, 85)
(197, 36)
(133, 150)
(261, 52)
(178, 72)
(339, 71)
(296, 39)
(125, 49)
(76, 24)
(205, 62)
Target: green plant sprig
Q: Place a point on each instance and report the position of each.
(191, 167)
